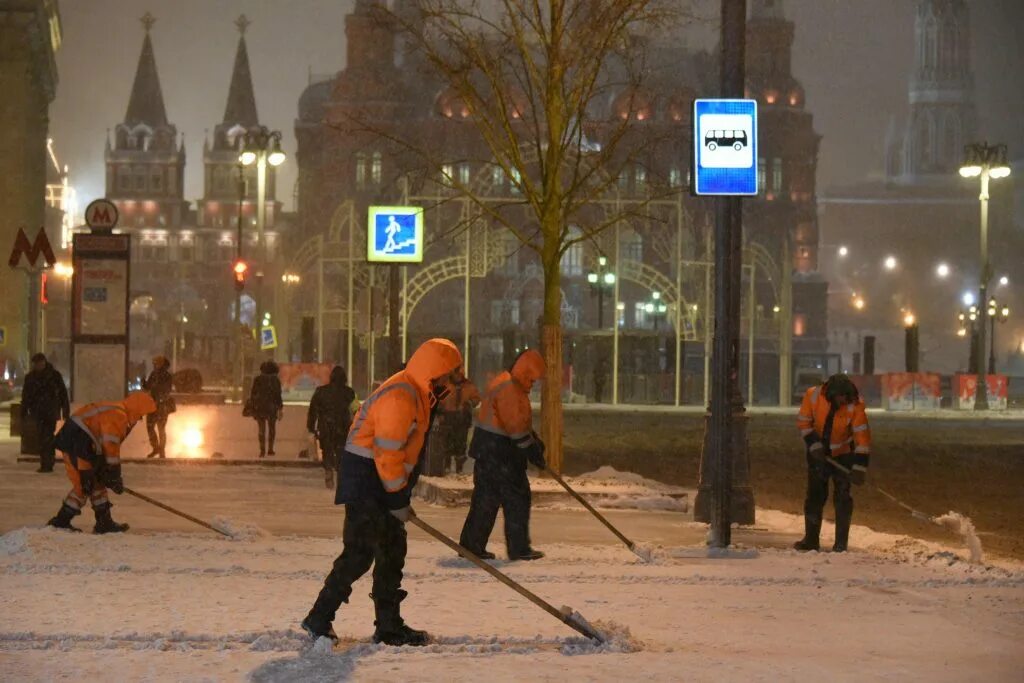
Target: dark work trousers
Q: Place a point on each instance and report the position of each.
(455, 444)
(329, 450)
(372, 536)
(156, 427)
(266, 424)
(499, 481)
(818, 476)
(47, 457)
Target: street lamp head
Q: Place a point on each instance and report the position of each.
(890, 263)
(247, 157)
(1000, 168)
(999, 172)
(663, 308)
(942, 270)
(776, 308)
(909, 319)
(1005, 313)
(843, 251)
(277, 156)
(1004, 280)
(655, 295)
(971, 171)
(859, 303)
(649, 307)
(602, 261)
(962, 332)
(609, 278)
(592, 278)
(968, 299)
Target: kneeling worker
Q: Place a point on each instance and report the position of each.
(834, 425)
(378, 469)
(503, 442)
(91, 442)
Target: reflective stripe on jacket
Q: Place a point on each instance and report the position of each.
(505, 411)
(850, 430)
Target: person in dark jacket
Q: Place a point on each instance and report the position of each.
(267, 406)
(44, 398)
(159, 386)
(329, 417)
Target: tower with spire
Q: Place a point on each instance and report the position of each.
(226, 183)
(942, 117)
(145, 161)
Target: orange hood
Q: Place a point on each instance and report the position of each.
(138, 404)
(528, 368)
(434, 358)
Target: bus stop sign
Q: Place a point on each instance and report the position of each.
(725, 147)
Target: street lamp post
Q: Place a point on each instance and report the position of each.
(600, 281)
(656, 308)
(996, 313)
(261, 146)
(984, 161)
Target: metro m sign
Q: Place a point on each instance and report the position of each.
(101, 214)
(31, 250)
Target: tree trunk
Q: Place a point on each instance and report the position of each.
(551, 349)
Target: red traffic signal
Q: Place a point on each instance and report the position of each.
(240, 270)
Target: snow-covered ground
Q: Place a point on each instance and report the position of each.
(191, 606)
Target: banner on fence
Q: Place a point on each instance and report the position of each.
(967, 385)
(911, 391)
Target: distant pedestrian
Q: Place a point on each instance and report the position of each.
(159, 385)
(265, 405)
(91, 442)
(44, 399)
(454, 418)
(834, 426)
(329, 418)
(503, 443)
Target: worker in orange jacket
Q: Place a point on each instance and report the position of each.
(503, 442)
(455, 416)
(834, 426)
(378, 469)
(91, 442)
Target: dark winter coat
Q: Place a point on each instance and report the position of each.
(44, 396)
(159, 386)
(330, 410)
(266, 393)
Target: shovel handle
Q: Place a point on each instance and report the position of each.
(913, 513)
(190, 518)
(588, 506)
(546, 606)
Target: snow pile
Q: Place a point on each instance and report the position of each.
(617, 639)
(643, 503)
(14, 542)
(965, 527)
(606, 474)
(239, 531)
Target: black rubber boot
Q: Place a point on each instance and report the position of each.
(812, 530)
(483, 554)
(391, 628)
(62, 520)
(105, 524)
(842, 532)
(529, 554)
(317, 630)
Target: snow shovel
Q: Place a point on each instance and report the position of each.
(176, 512)
(643, 554)
(566, 615)
(916, 514)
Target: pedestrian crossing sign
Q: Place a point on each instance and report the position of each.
(395, 234)
(268, 337)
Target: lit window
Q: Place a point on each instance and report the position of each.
(517, 180)
(761, 173)
(377, 168)
(799, 325)
(572, 259)
(447, 174)
(464, 174)
(497, 176)
(777, 174)
(360, 169)
(640, 314)
(640, 178)
(675, 177)
(633, 247)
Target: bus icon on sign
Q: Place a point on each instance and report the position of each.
(737, 139)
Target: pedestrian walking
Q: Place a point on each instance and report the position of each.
(455, 417)
(329, 418)
(265, 405)
(379, 468)
(833, 424)
(159, 384)
(91, 442)
(44, 399)
(503, 443)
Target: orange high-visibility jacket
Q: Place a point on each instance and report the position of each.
(850, 430)
(505, 409)
(392, 423)
(463, 396)
(108, 422)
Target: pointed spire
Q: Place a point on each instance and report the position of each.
(146, 104)
(241, 105)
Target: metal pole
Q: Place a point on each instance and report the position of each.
(750, 341)
(991, 347)
(351, 293)
(240, 337)
(981, 390)
(320, 305)
(261, 217)
(405, 313)
(372, 341)
(679, 298)
(708, 320)
(615, 323)
(465, 312)
(786, 328)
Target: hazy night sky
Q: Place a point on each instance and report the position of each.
(853, 57)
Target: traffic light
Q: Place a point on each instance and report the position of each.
(240, 269)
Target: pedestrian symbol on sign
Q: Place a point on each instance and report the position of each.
(396, 234)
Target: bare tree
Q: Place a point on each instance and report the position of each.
(555, 90)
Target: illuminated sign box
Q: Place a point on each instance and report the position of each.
(395, 234)
(725, 147)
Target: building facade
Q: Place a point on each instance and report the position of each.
(342, 165)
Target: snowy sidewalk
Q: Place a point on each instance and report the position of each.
(195, 607)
